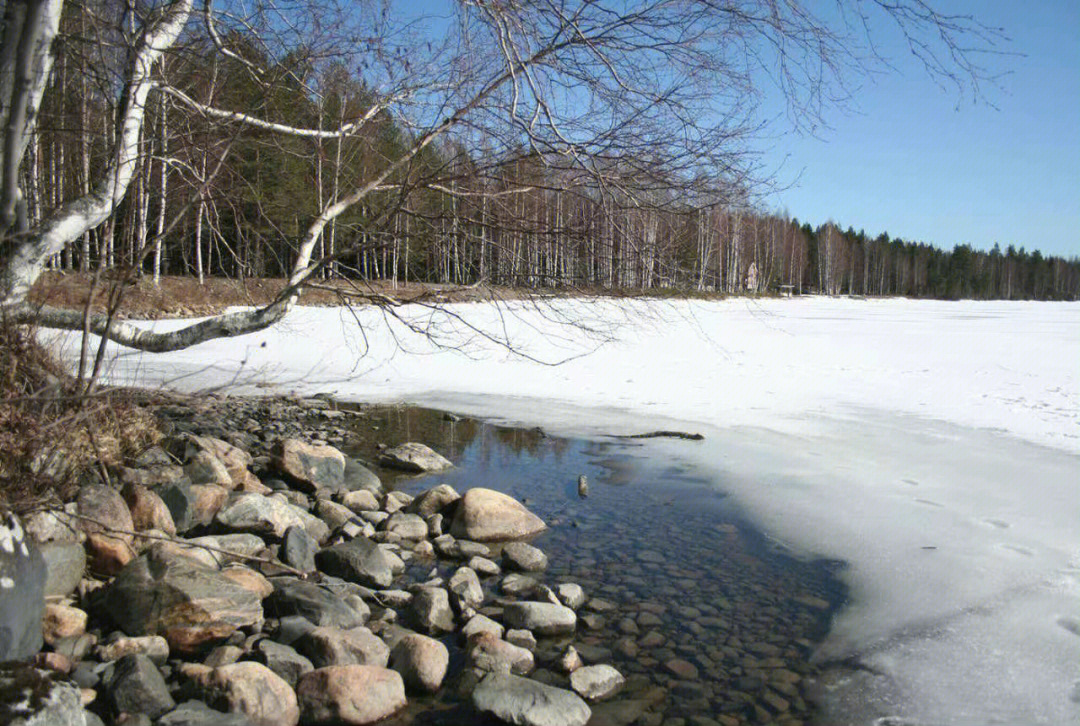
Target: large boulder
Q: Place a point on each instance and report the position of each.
(312, 602)
(421, 661)
(359, 477)
(102, 509)
(430, 610)
(414, 458)
(22, 592)
(359, 560)
(486, 515)
(235, 460)
(543, 618)
(137, 686)
(266, 516)
(282, 660)
(351, 695)
(148, 511)
(197, 713)
(65, 565)
(526, 702)
(310, 466)
(191, 605)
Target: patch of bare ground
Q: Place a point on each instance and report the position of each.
(181, 296)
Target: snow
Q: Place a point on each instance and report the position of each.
(933, 446)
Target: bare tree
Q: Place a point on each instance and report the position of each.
(640, 105)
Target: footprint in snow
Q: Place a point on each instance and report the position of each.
(1018, 550)
(997, 523)
(912, 482)
(1070, 624)
(929, 503)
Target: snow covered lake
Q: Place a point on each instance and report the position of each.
(934, 446)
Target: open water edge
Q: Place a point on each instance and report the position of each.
(690, 579)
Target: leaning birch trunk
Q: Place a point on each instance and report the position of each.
(74, 218)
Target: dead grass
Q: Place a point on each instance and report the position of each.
(50, 432)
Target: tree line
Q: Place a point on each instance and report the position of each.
(539, 145)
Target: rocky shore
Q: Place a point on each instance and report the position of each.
(245, 571)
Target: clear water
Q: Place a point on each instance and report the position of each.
(689, 579)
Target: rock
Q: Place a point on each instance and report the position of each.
(540, 617)
(150, 477)
(437, 500)
(282, 660)
(333, 646)
(516, 585)
(180, 501)
(421, 661)
(484, 567)
(526, 702)
(252, 689)
(424, 550)
(62, 621)
(22, 591)
(494, 655)
(223, 655)
(358, 477)
(570, 594)
(197, 713)
(248, 579)
(104, 510)
(597, 682)
(407, 526)
(359, 560)
(31, 697)
(465, 586)
(570, 660)
(414, 458)
(223, 548)
(298, 549)
(136, 686)
(485, 515)
(521, 638)
(306, 599)
(53, 526)
(310, 466)
(524, 557)
(682, 669)
(154, 647)
(481, 624)
(352, 695)
(148, 511)
(206, 501)
(360, 500)
(430, 610)
(266, 516)
(107, 555)
(334, 515)
(162, 593)
(65, 565)
(202, 467)
(235, 459)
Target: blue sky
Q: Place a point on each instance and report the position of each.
(908, 160)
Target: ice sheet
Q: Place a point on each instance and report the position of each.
(934, 446)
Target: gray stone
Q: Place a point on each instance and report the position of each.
(430, 610)
(597, 682)
(197, 713)
(493, 655)
(540, 617)
(421, 661)
(315, 604)
(524, 557)
(282, 660)
(137, 686)
(484, 567)
(298, 549)
(358, 560)
(310, 466)
(65, 565)
(516, 585)
(522, 638)
(266, 516)
(22, 591)
(465, 586)
(485, 515)
(407, 526)
(482, 624)
(333, 514)
(104, 509)
(357, 477)
(436, 500)
(333, 646)
(180, 501)
(526, 702)
(415, 458)
(360, 500)
(570, 594)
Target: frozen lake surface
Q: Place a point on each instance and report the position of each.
(933, 446)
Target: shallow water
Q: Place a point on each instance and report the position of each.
(689, 579)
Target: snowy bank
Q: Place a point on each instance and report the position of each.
(932, 445)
